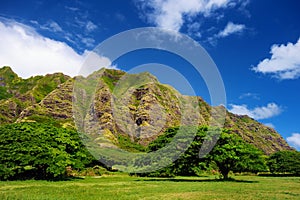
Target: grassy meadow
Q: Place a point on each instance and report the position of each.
(126, 187)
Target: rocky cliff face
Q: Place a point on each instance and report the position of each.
(110, 103)
(263, 137)
(17, 94)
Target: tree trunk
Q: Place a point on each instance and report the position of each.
(225, 176)
(225, 173)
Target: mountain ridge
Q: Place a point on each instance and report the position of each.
(50, 98)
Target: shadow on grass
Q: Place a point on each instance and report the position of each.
(197, 180)
(45, 179)
(71, 178)
(279, 175)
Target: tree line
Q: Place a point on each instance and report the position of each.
(33, 150)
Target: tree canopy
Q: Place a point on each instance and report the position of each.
(230, 153)
(40, 151)
(285, 162)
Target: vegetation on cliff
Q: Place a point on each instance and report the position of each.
(133, 112)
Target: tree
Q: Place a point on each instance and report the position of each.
(40, 151)
(188, 164)
(284, 162)
(231, 153)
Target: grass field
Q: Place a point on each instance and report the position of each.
(125, 187)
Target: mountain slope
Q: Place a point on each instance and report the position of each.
(256, 133)
(17, 94)
(147, 107)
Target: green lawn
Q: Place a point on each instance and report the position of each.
(125, 187)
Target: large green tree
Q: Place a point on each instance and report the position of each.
(40, 151)
(231, 153)
(173, 142)
(285, 162)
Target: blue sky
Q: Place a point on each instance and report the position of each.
(254, 43)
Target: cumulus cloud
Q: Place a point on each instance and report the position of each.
(249, 95)
(294, 140)
(172, 14)
(263, 112)
(284, 62)
(230, 29)
(29, 53)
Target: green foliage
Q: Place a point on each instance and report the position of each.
(22, 93)
(22, 96)
(4, 94)
(188, 164)
(24, 85)
(43, 119)
(231, 153)
(89, 171)
(7, 78)
(38, 86)
(261, 136)
(7, 75)
(125, 143)
(47, 84)
(40, 151)
(285, 162)
(110, 82)
(111, 77)
(163, 140)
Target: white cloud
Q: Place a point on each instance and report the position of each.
(89, 42)
(284, 62)
(249, 95)
(270, 125)
(294, 140)
(230, 29)
(94, 62)
(51, 26)
(90, 26)
(263, 112)
(193, 29)
(74, 9)
(81, 22)
(172, 14)
(29, 53)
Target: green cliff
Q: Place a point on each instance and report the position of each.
(115, 107)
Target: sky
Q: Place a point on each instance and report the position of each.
(254, 43)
